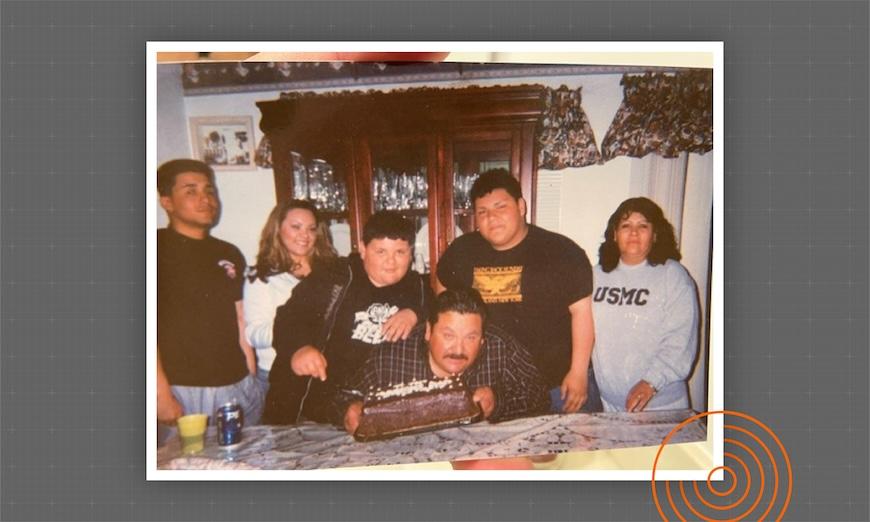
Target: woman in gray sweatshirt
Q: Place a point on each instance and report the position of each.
(645, 308)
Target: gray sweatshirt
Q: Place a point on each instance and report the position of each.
(646, 328)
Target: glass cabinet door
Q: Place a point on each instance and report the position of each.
(400, 182)
(470, 159)
(318, 181)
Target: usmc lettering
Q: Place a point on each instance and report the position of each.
(621, 296)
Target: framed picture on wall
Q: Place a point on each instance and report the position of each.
(223, 142)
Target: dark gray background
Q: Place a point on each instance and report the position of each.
(73, 249)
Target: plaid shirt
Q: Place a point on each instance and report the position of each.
(502, 364)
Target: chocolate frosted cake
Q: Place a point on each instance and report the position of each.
(422, 405)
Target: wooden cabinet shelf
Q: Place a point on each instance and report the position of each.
(413, 147)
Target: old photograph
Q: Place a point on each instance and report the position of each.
(496, 260)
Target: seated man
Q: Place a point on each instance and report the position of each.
(338, 315)
(458, 341)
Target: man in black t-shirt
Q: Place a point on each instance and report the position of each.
(537, 285)
(203, 360)
(337, 316)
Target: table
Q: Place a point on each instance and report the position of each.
(319, 446)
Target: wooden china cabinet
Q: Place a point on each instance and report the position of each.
(415, 151)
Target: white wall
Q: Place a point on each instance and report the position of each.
(589, 196)
(172, 140)
(172, 137)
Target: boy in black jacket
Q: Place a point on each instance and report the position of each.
(337, 316)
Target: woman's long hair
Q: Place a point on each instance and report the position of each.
(664, 245)
(273, 258)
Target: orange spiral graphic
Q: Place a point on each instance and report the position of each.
(748, 458)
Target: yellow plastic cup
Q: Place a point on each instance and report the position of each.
(191, 428)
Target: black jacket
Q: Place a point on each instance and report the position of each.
(308, 318)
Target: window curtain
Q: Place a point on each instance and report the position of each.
(565, 138)
(662, 113)
(663, 180)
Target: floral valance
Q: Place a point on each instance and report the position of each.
(662, 113)
(565, 138)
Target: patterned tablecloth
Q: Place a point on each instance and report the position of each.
(316, 446)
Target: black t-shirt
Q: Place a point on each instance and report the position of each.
(527, 290)
(198, 284)
(361, 315)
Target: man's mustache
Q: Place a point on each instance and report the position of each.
(457, 356)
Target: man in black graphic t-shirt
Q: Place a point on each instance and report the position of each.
(537, 285)
(337, 316)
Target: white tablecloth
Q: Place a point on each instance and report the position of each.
(316, 446)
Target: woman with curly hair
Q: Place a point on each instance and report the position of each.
(293, 242)
(645, 308)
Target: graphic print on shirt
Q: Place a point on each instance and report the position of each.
(499, 284)
(228, 267)
(367, 324)
(621, 296)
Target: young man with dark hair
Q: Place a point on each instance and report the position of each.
(338, 316)
(458, 341)
(537, 285)
(203, 358)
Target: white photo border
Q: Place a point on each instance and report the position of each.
(674, 54)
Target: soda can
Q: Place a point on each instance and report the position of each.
(230, 420)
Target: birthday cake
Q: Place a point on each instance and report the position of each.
(417, 406)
